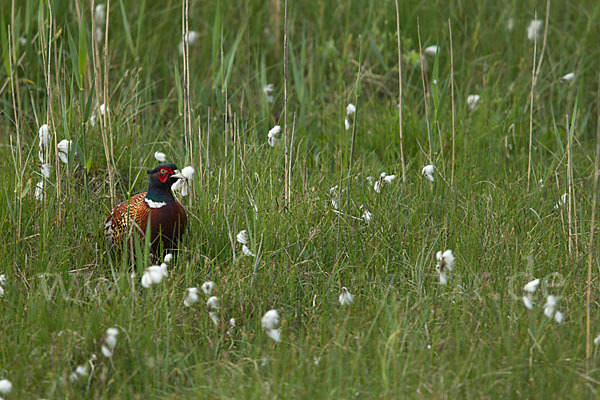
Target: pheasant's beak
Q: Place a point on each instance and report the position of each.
(177, 175)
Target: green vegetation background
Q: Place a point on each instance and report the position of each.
(405, 335)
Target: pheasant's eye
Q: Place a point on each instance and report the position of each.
(163, 171)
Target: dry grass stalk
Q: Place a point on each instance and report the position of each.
(98, 83)
(452, 100)
(14, 85)
(285, 100)
(590, 248)
(400, 94)
(569, 189)
(537, 70)
(425, 90)
(531, 107)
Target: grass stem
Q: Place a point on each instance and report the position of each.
(591, 248)
(452, 100)
(400, 93)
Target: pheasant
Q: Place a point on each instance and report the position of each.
(157, 208)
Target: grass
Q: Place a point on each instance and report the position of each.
(405, 335)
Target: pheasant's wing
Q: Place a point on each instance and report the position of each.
(131, 214)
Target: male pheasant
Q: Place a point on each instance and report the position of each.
(157, 208)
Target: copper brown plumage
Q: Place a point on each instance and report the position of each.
(156, 208)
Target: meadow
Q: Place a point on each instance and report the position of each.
(513, 196)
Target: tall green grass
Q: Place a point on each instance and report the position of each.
(405, 335)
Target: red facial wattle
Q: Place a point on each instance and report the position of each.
(164, 174)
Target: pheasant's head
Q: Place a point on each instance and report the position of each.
(161, 179)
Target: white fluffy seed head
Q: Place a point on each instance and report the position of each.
(247, 252)
(188, 172)
(532, 286)
(39, 190)
(79, 372)
(335, 204)
(212, 303)
(110, 338)
(64, 147)
(427, 172)
(272, 135)
(191, 296)
(160, 156)
(168, 258)
(268, 89)
(551, 301)
(242, 237)
(5, 386)
(207, 287)
(146, 280)
(73, 377)
(472, 101)
(100, 14)
(153, 275)
(274, 334)
(377, 187)
(345, 297)
(443, 277)
(192, 36)
(367, 216)
(431, 50)
(46, 169)
(270, 320)
(533, 30)
(99, 36)
(106, 352)
(550, 306)
(558, 317)
(528, 302)
(448, 259)
(181, 186)
(389, 178)
(350, 109)
(445, 260)
(568, 77)
(112, 331)
(274, 131)
(109, 341)
(44, 137)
